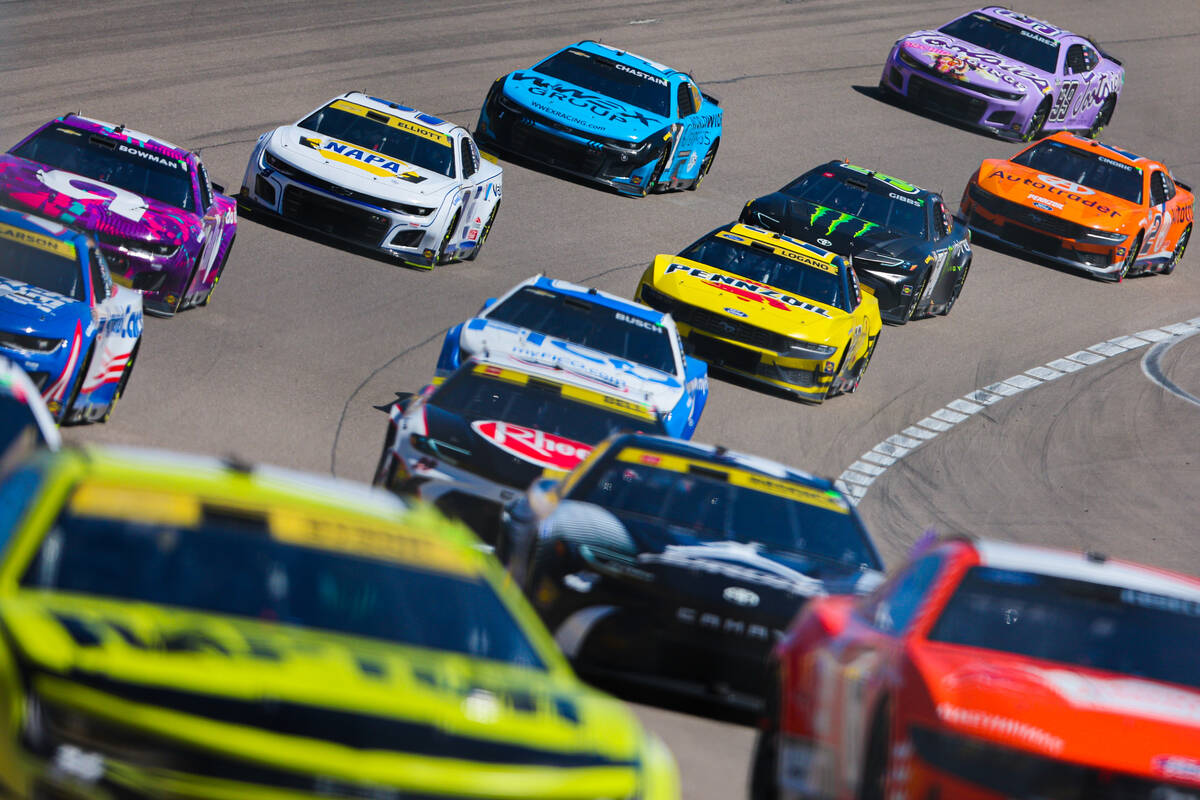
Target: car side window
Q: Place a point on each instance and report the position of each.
(205, 186)
(1076, 59)
(1158, 191)
(470, 161)
(892, 608)
(942, 224)
(687, 105)
(1091, 58)
(1168, 185)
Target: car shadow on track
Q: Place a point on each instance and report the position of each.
(897, 101)
(1004, 248)
(551, 172)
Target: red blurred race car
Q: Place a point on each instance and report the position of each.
(990, 670)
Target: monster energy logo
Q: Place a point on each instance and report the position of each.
(840, 219)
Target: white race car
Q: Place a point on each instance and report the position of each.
(379, 175)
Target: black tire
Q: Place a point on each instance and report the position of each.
(179, 306)
(1103, 117)
(872, 784)
(860, 368)
(217, 277)
(911, 312)
(1037, 122)
(1127, 264)
(440, 258)
(837, 385)
(705, 165)
(385, 469)
(656, 175)
(65, 413)
(122, 383)
(483, 234)
(764, 764)
(1177, 253)
(958, 287)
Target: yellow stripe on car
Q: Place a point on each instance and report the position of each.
(393, 121)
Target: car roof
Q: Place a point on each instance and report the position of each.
(400, 110)
(590, 294)
(843, 170)
(626, 57)
(1023, 20)
(127, 135)
(720, 456)
(43, 227)
(784, 242)
(1092, 568)
(1107, 150)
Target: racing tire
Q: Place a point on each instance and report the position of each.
(911, 312)
(1103, 117)
(860, 368)
(385, 469)
(657, 173)
(1177, 254)
(1037, 122)
(838, 384)
(705, 165)
(217, 277)
(179, 306)
(64, 416)
(764, 765)
(958, 287)
(872, 784)
(1127, 264)
(122, 383)
(483, 234)
(440, 258)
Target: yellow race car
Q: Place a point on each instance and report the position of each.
(186, 628)
(769, 308)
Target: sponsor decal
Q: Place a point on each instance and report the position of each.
(119, 201)
(735, 312)
(748, 290)
(1125, 696)
(824, 243)
(735, 627)
(838, 219)
(641, 323)
(643, 75)
(396, 122)
(989, 64)
(38, 242)
(1043, 203)
(1058, 189)
(1064, 184)
(737, 561)
(537, 447)
(904, 199)
(127, 325)
(26, 295)
(370, 161)
(597, 105)
(951, 66)
(1177, 768)
(157, 159)
(997, 725)
(740, 596)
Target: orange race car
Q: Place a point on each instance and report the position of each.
(990, 671)
(1084, 204)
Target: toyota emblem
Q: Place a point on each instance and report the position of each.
(740, 596)
(824, 243)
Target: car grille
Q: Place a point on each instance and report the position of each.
(324, 214)
(555, 150)
(945, 101)
(722, 354)
(1042, 221)
(295, 174)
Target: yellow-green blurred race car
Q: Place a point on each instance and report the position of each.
(186, 628)
(769, 308)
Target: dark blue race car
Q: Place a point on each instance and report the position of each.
(605, 115)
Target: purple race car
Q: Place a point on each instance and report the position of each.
(164, 227)
(1007, 73)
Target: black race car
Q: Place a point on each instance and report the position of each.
(903, 241)
(678, 564)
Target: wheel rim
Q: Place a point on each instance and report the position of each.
(1101, 119)
(912, 308)
(1035, 124)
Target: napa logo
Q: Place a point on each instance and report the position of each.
(368, 160)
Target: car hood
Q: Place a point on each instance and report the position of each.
(955, 59)
(351, 709)
(95, 207)
(1066, 712)
(1053, 195)
(828, 228)
(581, 109)
(608, 372)
(357, 168)
(47, 313)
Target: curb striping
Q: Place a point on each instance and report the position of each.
(871, 465)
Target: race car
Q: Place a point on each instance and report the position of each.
(681, 564)
(902, 241)
(470, 444)
(1083, 204)
(988, 671)
(1007, 73)
(592, 334)
(25, 422)
(607, 116)
(165, 228)
(768, 308)
(179, 628)
(378, 175)
(63, 319)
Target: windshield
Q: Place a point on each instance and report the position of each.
(576, 414)
(767, 266)
(890, 210)
(618, 81)
(1008, 40)
(229, 566)
(121, 164)
(714, 502)
(402, 140)
(39, 261)
(1075, 622)
(1089, 169)
(602, 328)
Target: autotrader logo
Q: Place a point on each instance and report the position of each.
(740, 596)
(1064, 184)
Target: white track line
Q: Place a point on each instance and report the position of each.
(871, 465)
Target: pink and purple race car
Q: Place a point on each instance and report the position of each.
(1007, 73)
(163, 226)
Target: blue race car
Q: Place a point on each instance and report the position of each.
(62, 319)
(605, 115)
(594, 335)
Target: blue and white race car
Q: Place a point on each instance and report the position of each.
(616, 343)
(62, 319)
(605, 115)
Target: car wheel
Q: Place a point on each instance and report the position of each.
(220, 269)
(1103, 117)
(68, 407)
(958, 287)
(873, 783)
(1127, 264)
(1177, 254)
(1037, 122)
(122, 383)
(657, 173)
(764, 768)
(705, 166)
(179, 306)
(912, 307)
(483, 234)
(860, 368)
(440, 258)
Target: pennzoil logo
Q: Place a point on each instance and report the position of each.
(748, 290)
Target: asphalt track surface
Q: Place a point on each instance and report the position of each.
(304, 342)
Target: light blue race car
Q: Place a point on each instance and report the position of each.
(605, 115)
(614, 342)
